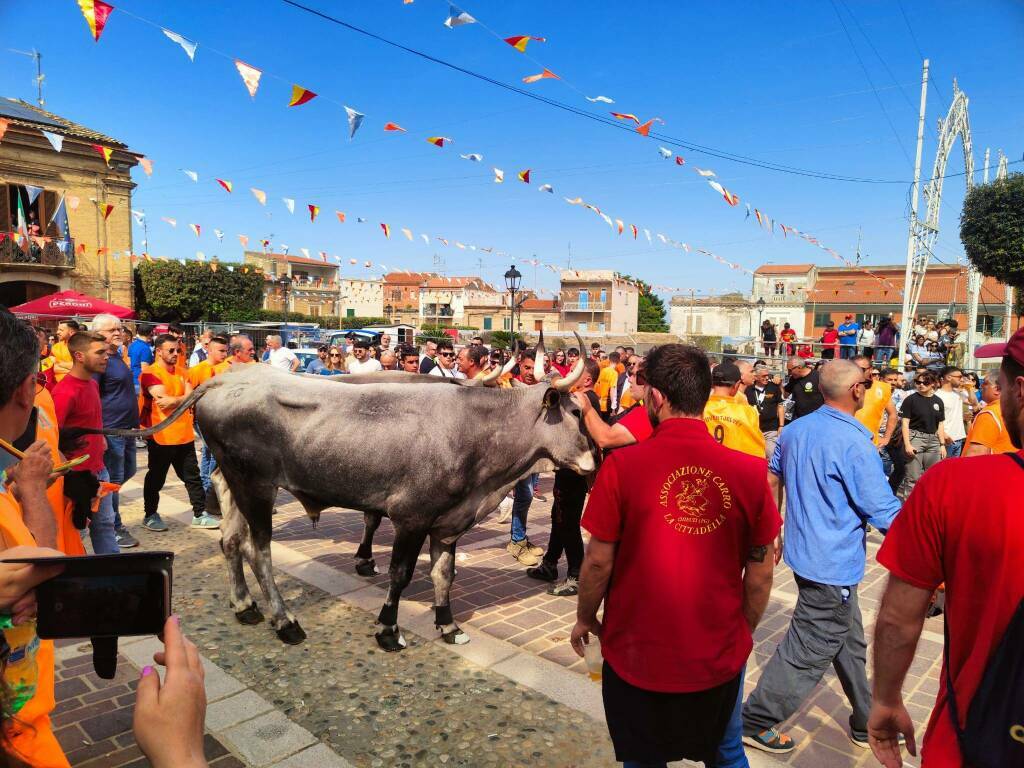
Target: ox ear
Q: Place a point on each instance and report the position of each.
(551, 398)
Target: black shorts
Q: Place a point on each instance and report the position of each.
(652, 727)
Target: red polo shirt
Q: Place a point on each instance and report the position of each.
(962, 525)
(685, 512)
(77, 404)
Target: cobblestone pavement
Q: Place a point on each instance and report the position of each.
(426, 705)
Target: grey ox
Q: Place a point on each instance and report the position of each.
(374, 443)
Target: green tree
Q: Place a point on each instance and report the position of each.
(651, 309)
(992, 229)
(193, 291)
(503, 339)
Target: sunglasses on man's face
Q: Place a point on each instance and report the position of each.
(335, 354)
(447, 354)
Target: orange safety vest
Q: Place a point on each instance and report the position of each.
(178, 433)
(68, 539)
(30, 669)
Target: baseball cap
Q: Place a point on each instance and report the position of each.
(725, 374)
(849, 317)
(1014, 348)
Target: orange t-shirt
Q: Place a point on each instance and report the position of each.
(178, 433)
(734, 424)
(876, 398)
(200, 373)
(989, 430)
(68, 540)
(61, 357)
(30, 732)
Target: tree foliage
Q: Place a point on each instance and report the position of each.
(174, 292)
(992, 229)
(503, 339)
(651, 310)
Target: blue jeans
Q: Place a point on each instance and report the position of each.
(730, 751)
(955, 448)
(101, 528)
(119, 459)
(847, 351)
(206, 466)
(522, 497)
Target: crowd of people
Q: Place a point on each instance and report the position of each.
(700, 458)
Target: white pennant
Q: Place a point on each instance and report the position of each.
(186, 45)
(289, 204)
(55, 139)
(191, 174)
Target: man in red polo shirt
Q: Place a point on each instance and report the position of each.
(681, 554)
(962, 525)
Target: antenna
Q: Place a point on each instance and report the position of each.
(34, 54)
(438, 263)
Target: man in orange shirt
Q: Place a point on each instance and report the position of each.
(216, 362)
(988, 432)
(26, 518)
(877, 401)
(163, 389)
(733, 423)
(62, 361)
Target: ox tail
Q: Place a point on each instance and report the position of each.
(73, 433)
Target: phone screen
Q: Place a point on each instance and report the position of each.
(98, 606)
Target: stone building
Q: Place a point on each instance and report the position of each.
(598, 301)
(96, 258)
(309, 286)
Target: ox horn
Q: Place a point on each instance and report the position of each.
(498, 371)
(540, 352)
(567, 383)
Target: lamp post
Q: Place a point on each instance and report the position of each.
(286, 283)
(512, 281)
(760, 311)
(388, 309)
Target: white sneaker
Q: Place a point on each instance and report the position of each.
(505, 510)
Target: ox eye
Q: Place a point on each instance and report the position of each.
(576, 412)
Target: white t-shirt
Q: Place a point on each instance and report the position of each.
(449, 373)
(282, 358)
(369, 365)
(953, 405)
(866, 338)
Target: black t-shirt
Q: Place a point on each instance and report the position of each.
(924, 413)
(766, 401)
(806, 394)
(427, 365)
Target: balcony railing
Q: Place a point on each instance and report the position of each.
(586, 306)
(36, 252)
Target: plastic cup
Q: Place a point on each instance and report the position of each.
(593, 658)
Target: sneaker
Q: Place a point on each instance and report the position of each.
(205, 521)
(771, 740)
(534, 549)
(140, 443)
(520, 551)
(505, 510)
(154, 523)
(568, 588)
(862, 741)
(543, 572)
(124, 539)
(540, 496)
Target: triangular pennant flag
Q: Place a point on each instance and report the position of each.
(300, 96)
(186, 45)
(139, 216)
(603, 99)
(519, 42)
(666, 153)
(619, 225)
(705, 174)
(314, 211)
(96, 13)
(625, 116)
(355, 119)
(393, 127)
(147, 165)
(407, 233)
(323, 255)
(250, 76)
(195, 228)
(4, 122)
(226, 184)
(192, 175)
(524, 176)
(645, 129)
(426, 239)
(499, 176)
(546, 188)
(457, 17)
(219, 235)
(473, 157)
(259, 194)
(340, 215)
(438, 141)
(105, 209)
(289, 204)
(33, 193)
(547, 74)
(633, 227)
(305, 252)
(360, 220)
(244, 240)
(55, 139)
(680, 161)
(386, 229)
(105, 151)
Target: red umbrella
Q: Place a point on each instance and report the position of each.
(71, 304)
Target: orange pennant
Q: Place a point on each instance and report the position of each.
(340, 215)
(393, 127)
(645, 129)
(547, 74)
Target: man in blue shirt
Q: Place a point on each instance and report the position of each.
(140, 352)
(848, 332)
(120, 411)
(834, 487)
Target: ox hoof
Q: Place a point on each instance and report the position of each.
(366, 568)
(291, 633)
(390, 639)
(455, 637)
(250, 615)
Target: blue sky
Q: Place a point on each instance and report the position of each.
(779, 83)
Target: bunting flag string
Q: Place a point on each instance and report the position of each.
(96, 14)
(259, 194)
(472, 157)
(355, 119)
(289, 203)
(105, 209)
(106, 152)
(300, 96)
(519, 42)
(147, 165)
(55, 139)
(186, 45)
(524, 176)
(499, 175)
(457, 17)
(438, 141)
(394, 127)
(4, 122)
(547, 74)
(225, 184)
(250, 77)
(192, 175)
(314, 211)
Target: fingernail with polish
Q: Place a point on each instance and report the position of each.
(147, 671)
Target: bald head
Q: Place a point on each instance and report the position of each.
(837, 381)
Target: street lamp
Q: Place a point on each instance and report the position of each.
(760, 310)
(286, 283)
(388, 309)
(512, 280)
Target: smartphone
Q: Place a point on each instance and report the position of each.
(104, 595)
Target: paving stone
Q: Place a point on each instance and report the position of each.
(267, 739)
(234, 709)
(318, 756)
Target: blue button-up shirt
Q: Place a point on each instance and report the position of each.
(835, 486)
